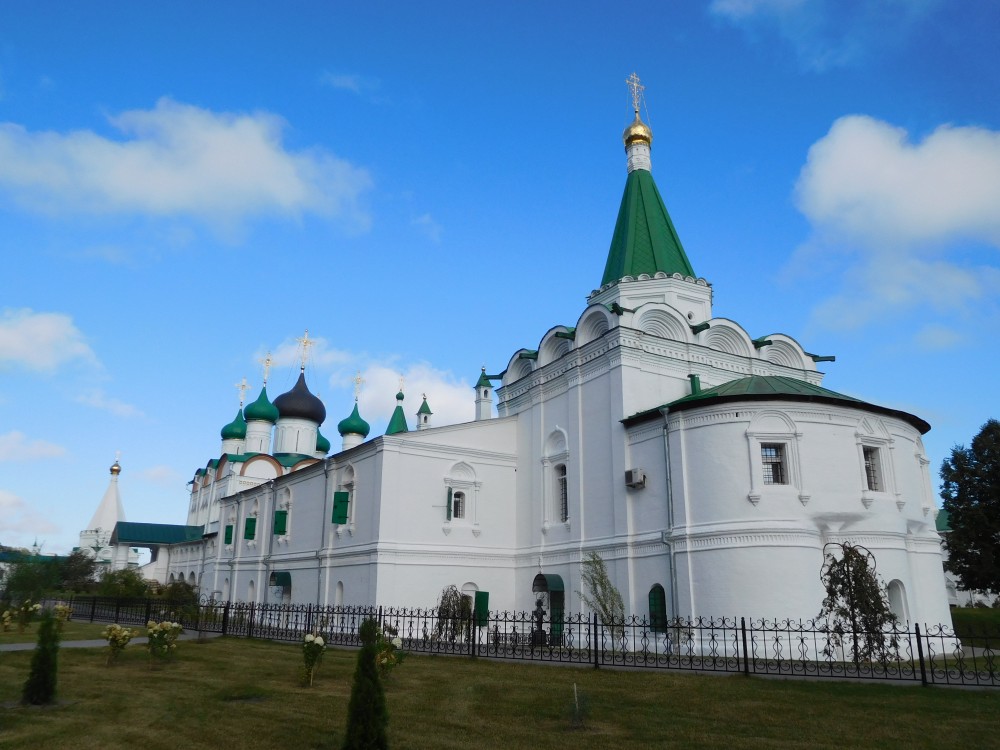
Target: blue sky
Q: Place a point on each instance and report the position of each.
(429, 187)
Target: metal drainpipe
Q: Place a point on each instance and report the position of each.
(266, 584)
(670, 514)
(322, 531)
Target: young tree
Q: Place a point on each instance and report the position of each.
(40, 687)
(31, 578)
(366, 713)
(123, 584)
(454, 612)
(76, 571)
(970, 487)
(601, 594)
(856, 603)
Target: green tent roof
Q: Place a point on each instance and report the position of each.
(397, 423)
(129, 532)
(424, 408)
(645, 240)
(773, 388)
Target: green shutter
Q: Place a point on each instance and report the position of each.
(250, 528)
(448, 517)
(280, 522)
(229, 534)
(341, 503)
(481, 611)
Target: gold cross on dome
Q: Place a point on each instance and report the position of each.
(267, 362)
(636, 88)
(305, 342)
(358, 381)
(400, 383)
(242, 387)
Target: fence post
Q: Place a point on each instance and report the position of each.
(593, 639)
(118, 605)
(149, 606)
(309, 618)
(225, 619)
(250, 622)
(920, 654)
(93, 607)
(380, 622)
(746, 652)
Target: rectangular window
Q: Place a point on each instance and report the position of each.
(250, 528)
(229, 533)
(873, 469)
(772, 456)
(341, 504)
(458, 505)
(280, 522)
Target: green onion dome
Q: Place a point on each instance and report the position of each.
(322, 444)
(262, 409)
(354, 424)
(299, 403)
(237, 429)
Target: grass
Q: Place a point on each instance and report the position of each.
(972, 621)
(248, 694)
(72, 631)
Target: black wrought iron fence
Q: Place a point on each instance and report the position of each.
(792, 648)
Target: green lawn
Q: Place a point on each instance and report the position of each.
(247, 694)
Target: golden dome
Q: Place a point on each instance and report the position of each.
(637, 131)
(116, 469)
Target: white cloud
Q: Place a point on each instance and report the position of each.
(100, 400)
(365, 86)
(19, 519)
(936, 337)
(321, 354)
(827, 33)
(180, 160)
(15, 446)
(41, 341)
(866, 178)
(426, 224)
(898, 217)
(451, 400)
(166, 476)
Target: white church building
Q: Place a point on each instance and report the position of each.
(707, 465)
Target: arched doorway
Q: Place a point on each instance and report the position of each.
(897, 601)
(550, 593)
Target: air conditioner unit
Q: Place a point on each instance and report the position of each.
(635, 478)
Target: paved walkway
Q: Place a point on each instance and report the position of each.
(101, 643)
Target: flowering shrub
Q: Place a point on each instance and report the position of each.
(25, 614)
(387, 653)
(117, 638)
(7, 620)
(162, 638)
(62, 612)
(312, 652)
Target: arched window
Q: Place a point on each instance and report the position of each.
(657, 609)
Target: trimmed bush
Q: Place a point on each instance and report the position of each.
(40, 687)
(367, 718)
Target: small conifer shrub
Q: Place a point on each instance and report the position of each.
(366, 713)
(40, 687)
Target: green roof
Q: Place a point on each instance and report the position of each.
(290, 459)
(354, 424)
(645, 240)
(773, 388)
(322, 444)
(262, 409)
(483, 382)
(237, 429)
(128, 532)
(424, 408)
(943, 521)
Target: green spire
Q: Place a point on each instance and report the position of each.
(424, 408)
(484, 382)
(397, 423)
(645, 240)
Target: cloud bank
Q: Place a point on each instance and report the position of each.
(41, 341)
(178, 160)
